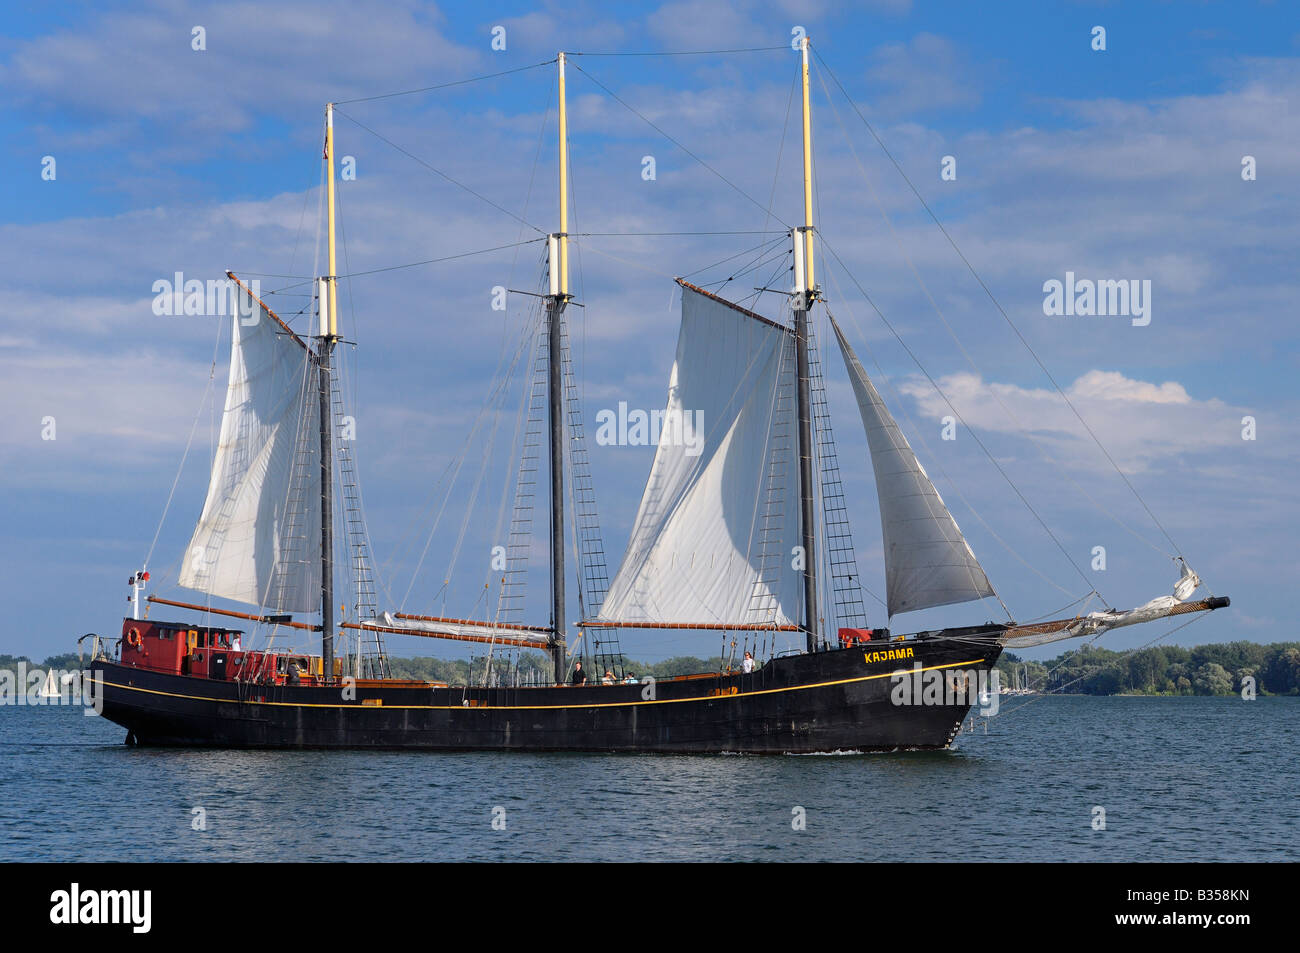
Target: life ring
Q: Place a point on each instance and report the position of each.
(133, 638)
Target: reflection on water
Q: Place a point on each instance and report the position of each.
(1179, 779)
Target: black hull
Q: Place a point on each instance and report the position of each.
(829, 701)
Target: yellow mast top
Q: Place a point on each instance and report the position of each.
(807, 175)
(331, 324)
(563, 237)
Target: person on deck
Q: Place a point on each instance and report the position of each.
(579, 676)
(608, 679)
(747, 665)
(629, 679)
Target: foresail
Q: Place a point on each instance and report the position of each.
(718, 520)
(927, 560)
(258, 538)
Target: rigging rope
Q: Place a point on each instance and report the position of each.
(772, 252)
(663, 234)
(529, 321)
(1024, 431)
(531, 342)
(353, 376)
(526, 396)
(1006, 317)
(198, 414)
(439, 172)
(495, 394)
(459, 82)
(434, 261)
(751, 49)
(1057, 612)
(302, 218)
(762, 249)
(933, 383)
(676, 142)
(780, 149)
(758, 261)
(1126, 653)
(307, 410)
(936, 459)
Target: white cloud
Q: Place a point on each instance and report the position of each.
(1140, 423)
(701, 24)
(929, 72)
(1112, 385)
(259, 59)
(85, 422)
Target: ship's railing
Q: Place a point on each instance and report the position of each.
(98, 647)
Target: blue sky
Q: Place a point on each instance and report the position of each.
(1117, 164)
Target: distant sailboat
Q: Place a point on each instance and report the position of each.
(710, 550)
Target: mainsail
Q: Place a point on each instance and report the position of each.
(927, 560)
(258, 539)
(695, 554)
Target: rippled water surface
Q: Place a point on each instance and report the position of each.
(1178, 778)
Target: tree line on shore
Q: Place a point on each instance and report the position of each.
(1215, 669)
(1221, 668)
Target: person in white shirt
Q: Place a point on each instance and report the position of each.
(747, 665)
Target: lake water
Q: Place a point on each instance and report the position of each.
(1178, 778)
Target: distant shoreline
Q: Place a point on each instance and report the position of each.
(1215, 670)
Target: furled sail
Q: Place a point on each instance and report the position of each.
(476, 631)
(258, 538)
(927, 560)
(1097, 623)
(719, 517)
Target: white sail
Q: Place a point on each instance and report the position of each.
(927, 560)
(256, 541)
(719, 518)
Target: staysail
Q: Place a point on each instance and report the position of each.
(717, 499)
(927, 560)
(258, 538)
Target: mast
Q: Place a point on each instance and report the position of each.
(805, 294)
(328, 338)
(558, 266)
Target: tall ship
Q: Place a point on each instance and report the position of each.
(742, 534)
